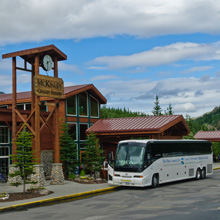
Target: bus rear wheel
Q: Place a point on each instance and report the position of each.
(198, 174)
(155, 181)
(203, 173)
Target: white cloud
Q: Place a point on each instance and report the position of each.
(69, 19)
(5, 64)
(205, 78)
(5, 81)
(104, 77)
(184, 94)
(162, 55)
(185, 108)
(198, 69)
(23, 78)
(69, 84)
(69, 68)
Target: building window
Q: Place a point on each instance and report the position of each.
(27, 106)
(83, 128)
(83, 103)
(71, 105)
(20, 106)
(4, 135)
(83, 146)
(3, 106)
(82, 159)
(73, 130)
(43, 108)
(4, 160)
(94, 105)
(4, 151)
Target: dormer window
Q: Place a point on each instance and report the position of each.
(94, 105)
(83, 104)
(71, 105)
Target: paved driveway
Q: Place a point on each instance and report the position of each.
(182, 200)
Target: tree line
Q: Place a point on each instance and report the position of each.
(124, 113)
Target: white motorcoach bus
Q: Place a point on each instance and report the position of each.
(152, 162)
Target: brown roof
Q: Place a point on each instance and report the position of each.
(29, 54)
(136, 124)
(207, 135)
(68, 91)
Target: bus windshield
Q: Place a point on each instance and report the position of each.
(130, 157)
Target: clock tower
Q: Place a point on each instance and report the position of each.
(46, 57)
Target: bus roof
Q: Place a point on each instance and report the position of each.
(165, 141)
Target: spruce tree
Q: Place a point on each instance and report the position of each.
(93, 156)
(23, 158)
(157, 109)
(68, 151)
(169, 110)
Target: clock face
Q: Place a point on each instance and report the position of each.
(47, 62)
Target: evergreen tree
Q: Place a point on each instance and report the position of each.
(157, 109)
(68, 151)
(23, 158)
(169, 110)
(216, 148)
(119, 113)
(93, 156)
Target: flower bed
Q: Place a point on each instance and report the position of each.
(89, 180)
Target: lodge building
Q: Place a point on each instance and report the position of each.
(79, 106)
(81, 110)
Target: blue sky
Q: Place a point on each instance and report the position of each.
(130, 50)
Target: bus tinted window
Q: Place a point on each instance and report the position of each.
(179, 149)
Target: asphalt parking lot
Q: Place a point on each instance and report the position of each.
(189, 199)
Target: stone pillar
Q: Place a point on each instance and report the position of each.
(47, 160)
(38, 176)
(15, 179)
(57, 177)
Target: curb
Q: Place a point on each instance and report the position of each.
(216, 168)
(57, 199)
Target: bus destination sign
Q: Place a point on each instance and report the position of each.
(48, 86)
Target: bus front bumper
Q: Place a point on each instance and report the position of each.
(138, 182)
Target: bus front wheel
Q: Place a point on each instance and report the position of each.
(155, 181)
(198, 174)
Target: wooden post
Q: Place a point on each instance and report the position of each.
(56, 121)
(14, 103)
(37, 115)
(32, 103)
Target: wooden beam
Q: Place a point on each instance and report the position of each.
(8, 125)
(48, 104)
(45, 122)
(50, 49)
(23, 69)
(14, 99)
(25, 122)
(56, 120)
(37, 114)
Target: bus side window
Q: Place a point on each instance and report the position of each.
(147, 159)
(110, 158)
